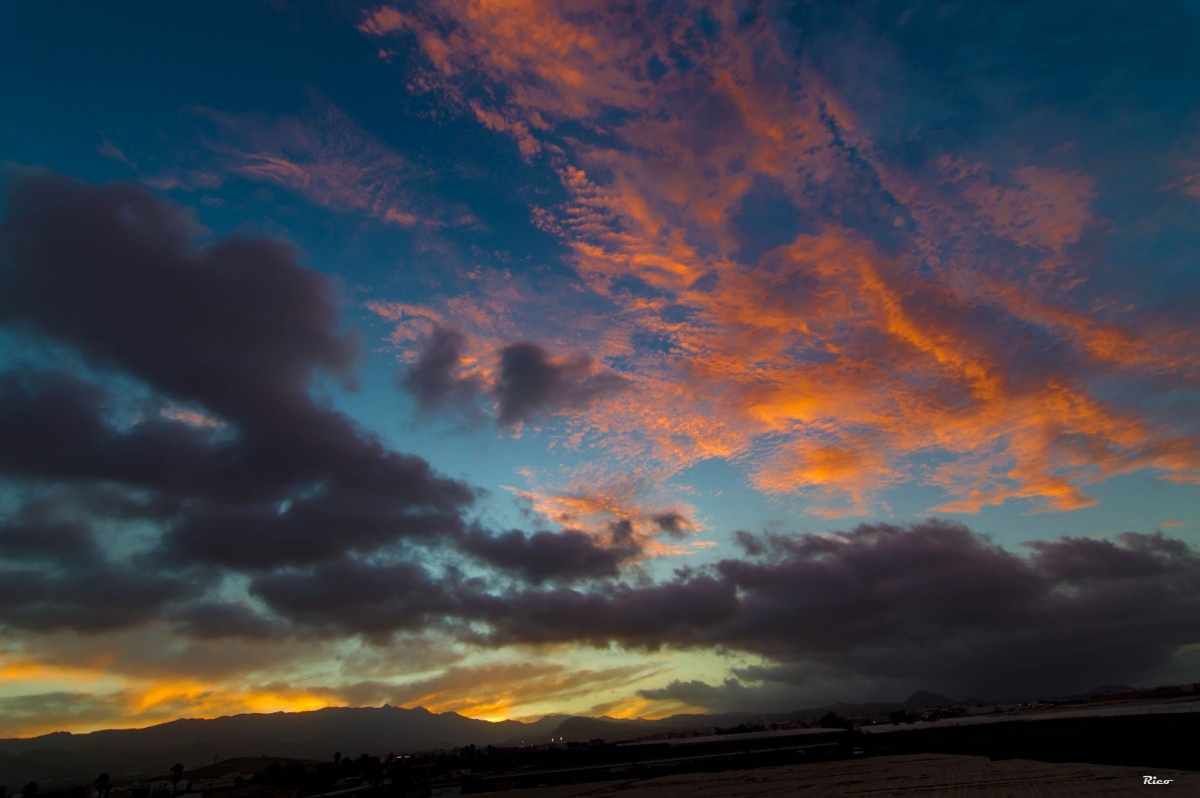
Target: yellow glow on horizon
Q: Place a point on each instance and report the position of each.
(544, 680)
(12, 670)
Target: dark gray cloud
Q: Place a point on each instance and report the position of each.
(936, 605)
(212, 620)
(750, 544)
(672, 523)
(533, 383)
(53, 425)
(272, 483)
(684, 612)
(545, 556)
(334, 520)
(880, 607)
(621, 532)
(57, 575)
(730, 694)
(130, 290)
(433, 380)
(91, 598)
(34, 533)
(235, 328)
(349, 596)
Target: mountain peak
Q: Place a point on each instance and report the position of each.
(924, 698)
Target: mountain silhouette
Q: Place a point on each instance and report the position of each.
(63, 756)
(300, 735)
(924, 698)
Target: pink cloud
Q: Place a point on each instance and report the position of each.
(325, 157)
(382, 21)
(829, 366)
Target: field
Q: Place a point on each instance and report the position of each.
(942, 775)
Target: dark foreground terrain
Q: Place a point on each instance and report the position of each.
(1095, 755)
(1165, 741)
(939, 775)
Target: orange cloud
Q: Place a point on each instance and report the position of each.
(500, 691)
(160, 701)
(193, 417)
(949, 347)
(592, 508)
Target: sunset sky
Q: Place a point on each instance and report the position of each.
(516, 357)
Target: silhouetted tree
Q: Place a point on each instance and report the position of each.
(294, 776)
(401, 775)
(29, 790)
(176, 776)
(102, 786)
(832, 720)
(372, 771)
(337, 758)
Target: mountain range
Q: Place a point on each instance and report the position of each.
(63, 756)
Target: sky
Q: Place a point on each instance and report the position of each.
(522, 357)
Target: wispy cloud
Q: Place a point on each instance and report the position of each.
(325, 157)
(935, 311)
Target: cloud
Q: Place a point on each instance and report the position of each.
(495, 690)
(451, 372)
(433, 380)
(381, 21)
(543, 556)
(672, 523)
(326, 157)
(730, 696)
(132, 294)
(348, 596)
(675, 613)
(278, 488)
(211, 620)
(935, 604)
(42, 713)
(620, 509)
(912, 302)
(486, 691)
(56, 577)
(264, 534)
(34, 533)
(930, 605)
(79, 290)
(532, 383)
